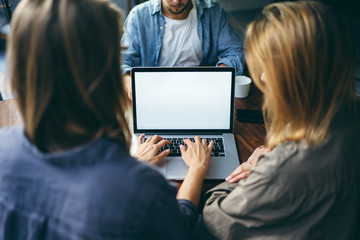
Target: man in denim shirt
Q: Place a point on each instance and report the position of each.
(180, 33)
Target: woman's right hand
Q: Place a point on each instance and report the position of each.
(197, 154)
(197, 157)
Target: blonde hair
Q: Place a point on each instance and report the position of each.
(307, 56)
(65, 70)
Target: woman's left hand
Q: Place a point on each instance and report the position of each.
(243, 170)
(148, 151)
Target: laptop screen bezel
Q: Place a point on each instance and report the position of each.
(183, 69)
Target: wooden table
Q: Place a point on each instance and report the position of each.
(248, 135)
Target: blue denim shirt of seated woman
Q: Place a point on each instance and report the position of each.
(95, 191)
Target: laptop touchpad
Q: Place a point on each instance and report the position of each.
(176, 169)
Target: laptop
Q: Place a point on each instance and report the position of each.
(182, 102)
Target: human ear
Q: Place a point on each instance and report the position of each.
(262, 77)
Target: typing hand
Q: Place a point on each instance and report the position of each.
(243, 170)
(148, 151)
(197, 155)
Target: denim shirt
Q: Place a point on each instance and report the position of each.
(144, 31)
(95, 191)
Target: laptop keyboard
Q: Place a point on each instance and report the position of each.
(217, 151)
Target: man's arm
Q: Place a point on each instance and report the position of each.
(230, 46)
(130, 41)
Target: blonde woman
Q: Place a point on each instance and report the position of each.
(67, 173)
(301, 55)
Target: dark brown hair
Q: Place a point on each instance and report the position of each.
(65, 70)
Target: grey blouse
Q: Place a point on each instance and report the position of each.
(296, 191)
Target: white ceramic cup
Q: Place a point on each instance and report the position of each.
(242, 86)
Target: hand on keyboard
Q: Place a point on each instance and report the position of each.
(148, 151)
(217, 151)
(197, 154)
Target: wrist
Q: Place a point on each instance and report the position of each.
(197, 173)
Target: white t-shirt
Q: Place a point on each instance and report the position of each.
(181, 44)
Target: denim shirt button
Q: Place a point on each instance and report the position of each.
(161, 28)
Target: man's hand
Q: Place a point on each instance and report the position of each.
(148, 151)
(243, 170)
(127, 85)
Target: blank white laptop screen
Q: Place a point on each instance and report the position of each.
(183, 100)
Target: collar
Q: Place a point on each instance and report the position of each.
(200, 5)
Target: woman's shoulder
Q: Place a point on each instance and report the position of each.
(301, 167)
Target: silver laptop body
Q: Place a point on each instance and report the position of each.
(182, 102)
